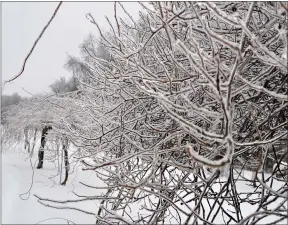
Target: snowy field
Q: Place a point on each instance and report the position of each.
(16, 180)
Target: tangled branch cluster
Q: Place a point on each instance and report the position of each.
(192, 96)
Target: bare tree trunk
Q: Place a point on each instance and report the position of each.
(41, 149)
(58, 157)
(61, 165)
(34, 142)
(66, 159)
(27, 144)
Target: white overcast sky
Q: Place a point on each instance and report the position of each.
(22, 22)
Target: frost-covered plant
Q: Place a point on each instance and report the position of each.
(188, 93)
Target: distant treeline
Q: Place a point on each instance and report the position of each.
(59, 86)
(7, 100)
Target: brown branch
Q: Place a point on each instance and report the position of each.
(34, 45)
(284, 6)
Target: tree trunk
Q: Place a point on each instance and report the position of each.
(27, 144)
(41, 150)
(34, 142)
(66, 159)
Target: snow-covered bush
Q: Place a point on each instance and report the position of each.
(184, 100)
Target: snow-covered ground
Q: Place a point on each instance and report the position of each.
(16, 180)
